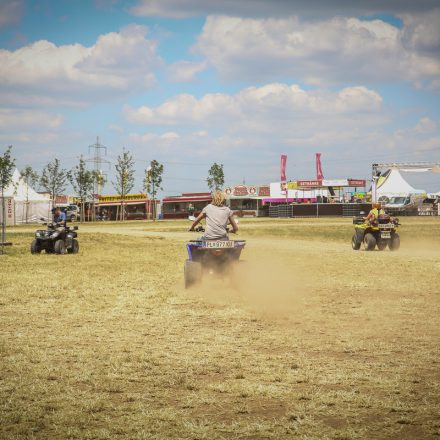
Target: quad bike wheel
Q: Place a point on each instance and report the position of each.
(394, 243)
(192, 272)
(382, 245)
(75, 247)
(369, 242)
(35, 247)
(355, 244)
(60, 247)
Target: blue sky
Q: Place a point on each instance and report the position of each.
(191, 82)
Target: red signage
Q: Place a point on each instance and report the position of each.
(240, 190)
(356, 182)
(309, 183)
(264, 191)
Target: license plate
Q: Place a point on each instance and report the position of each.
(218, 244)
(385, 234)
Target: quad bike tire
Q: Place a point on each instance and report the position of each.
(394, 243)
(355, 243)
(382, 245)
(192, 272)
(60, 247)
(75, 247)
(370, 242)
(35, 247)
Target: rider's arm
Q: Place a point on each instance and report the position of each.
(233, 224)
(197, 221)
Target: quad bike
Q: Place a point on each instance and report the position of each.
(55, 240)
(213, 257)
(380, 233)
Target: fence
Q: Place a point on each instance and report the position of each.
(319, 210)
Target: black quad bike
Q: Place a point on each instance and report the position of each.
(381, 233)
(56, 240)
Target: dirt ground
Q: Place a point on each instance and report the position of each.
(319, 342)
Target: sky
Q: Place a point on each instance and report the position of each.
(193, 82)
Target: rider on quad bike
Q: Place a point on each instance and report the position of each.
(213, 253)
(378, 228)
(217, 218)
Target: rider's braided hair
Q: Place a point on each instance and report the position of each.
(218, 198)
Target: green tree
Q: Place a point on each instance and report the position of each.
(153, 182)
(82, 181)
(216, 177)
(32, 179)
(124, 178)
(54, 179)
(7, 166)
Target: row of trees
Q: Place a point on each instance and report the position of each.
(54, 179)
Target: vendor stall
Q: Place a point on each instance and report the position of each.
(247, 200)
(184, 205)
(135, 206)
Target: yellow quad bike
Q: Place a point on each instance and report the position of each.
(380, 233)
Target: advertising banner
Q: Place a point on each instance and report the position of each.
(309, 183)
(9, 211)
(283, 167)
(319, 175)
(335, 182)
(356, 182)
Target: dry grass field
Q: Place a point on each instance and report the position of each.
(320, 342)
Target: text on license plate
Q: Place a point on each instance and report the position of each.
(385, 234)
(218, 244)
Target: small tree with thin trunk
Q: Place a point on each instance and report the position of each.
(124, 178)
(31, 179)
(82, 181)
(216, 177)
(99, 180)
(54, 179)
(153, 181)
(7, 165)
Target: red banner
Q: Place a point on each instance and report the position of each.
(309, 183)
(356, 182)
(283, 167)
(319, 175)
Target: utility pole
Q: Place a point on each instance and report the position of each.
(98, 160)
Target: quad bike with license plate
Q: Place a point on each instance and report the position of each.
(381, 233)
(219, 258)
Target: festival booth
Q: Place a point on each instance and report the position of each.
(306, 198)
(136, 207)
(24, 204)
(184, 205)
(247, 200)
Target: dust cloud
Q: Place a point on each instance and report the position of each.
(269, 286)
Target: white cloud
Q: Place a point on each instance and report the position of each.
(10, 12)
(272, 102)
(118, 63)
(335, 50)
(185, 71)
(278, 8)
(16, 119)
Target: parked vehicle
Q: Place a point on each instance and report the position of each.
(72, 212)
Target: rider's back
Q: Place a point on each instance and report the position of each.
(217, 218)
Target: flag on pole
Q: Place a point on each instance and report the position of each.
(283, 167)
(319, 174)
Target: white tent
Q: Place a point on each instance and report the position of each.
(28, 204)
(392, 184)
